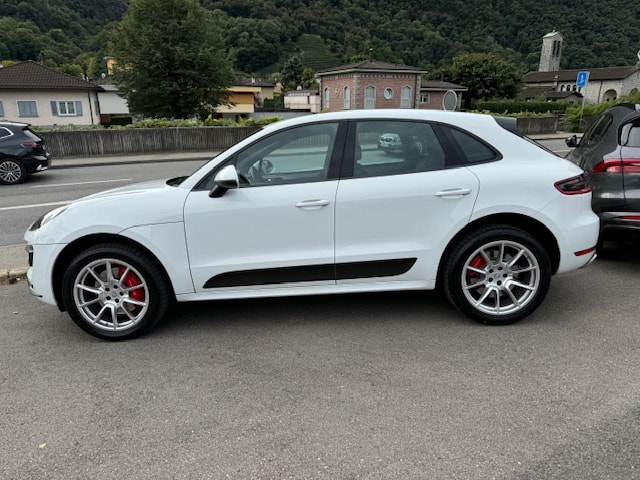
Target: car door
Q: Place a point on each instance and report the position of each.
(277, 229)
(396, 210)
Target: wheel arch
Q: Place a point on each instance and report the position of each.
(80, 244)
(522, 222)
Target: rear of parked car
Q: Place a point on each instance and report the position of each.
(609, 153)
(22, 153)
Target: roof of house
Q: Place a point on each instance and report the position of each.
(611, 73)
(368, 66)
(31, 75)
(546, 92)
(442, 86)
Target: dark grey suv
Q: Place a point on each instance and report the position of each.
(22, 153)
(609, 153)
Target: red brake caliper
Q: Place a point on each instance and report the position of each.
(132, 280)
(479, 263)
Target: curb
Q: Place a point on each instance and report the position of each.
(14, 275)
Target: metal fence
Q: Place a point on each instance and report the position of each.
(88, 143)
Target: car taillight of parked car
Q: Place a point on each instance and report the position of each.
(617, 165)
(573, 186)
(30, 144)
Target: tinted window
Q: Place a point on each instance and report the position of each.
(634, 136)
(469, 148)
(4, 132)
(395, 148)
(597, 131)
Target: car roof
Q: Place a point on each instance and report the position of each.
(7, 123)
(388, 114)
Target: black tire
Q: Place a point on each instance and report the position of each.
(115, 291)
(12, 171)
(497, 275)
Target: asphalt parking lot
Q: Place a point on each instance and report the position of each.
(384, 386)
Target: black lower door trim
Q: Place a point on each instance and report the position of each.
(311, 273)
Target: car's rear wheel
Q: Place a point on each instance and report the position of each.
(115, 291)
(12, 171)
(498, 275)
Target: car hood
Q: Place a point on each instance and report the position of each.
(116, 210)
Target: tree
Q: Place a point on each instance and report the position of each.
(292, 73)
(170, 60)
(486, 75)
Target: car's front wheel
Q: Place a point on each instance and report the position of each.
(115, 291)
(497, 275)
(12, 171)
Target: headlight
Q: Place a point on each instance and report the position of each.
(47, 217)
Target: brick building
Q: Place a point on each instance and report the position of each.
(369, 84)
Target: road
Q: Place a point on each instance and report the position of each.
(384, 386)
(22, 204)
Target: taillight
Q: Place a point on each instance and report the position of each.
(30, 144)
(573, 186)
(618, 165)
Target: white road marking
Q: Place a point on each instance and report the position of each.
(81, 183)
(36, 205)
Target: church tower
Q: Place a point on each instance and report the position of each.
(551, 51)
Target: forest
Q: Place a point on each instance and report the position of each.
(260, 35)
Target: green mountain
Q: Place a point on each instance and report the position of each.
(262, 34)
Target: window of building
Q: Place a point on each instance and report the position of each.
(66, 108)
(405, 97)
(327, 94)
(370, 97)
(424, 98)
(1, 109)
(27, 108)
(347, 98)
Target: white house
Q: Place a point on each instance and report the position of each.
(36, 94)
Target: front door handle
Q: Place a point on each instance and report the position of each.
(312, 204)
(453, 192)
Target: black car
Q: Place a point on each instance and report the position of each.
(22, 153)
(609, 153)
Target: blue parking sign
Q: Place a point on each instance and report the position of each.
(583, 78)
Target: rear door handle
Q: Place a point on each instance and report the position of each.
(312, 204)
(453, 192)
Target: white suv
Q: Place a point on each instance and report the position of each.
(313, 206)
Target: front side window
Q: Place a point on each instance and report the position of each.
(297, 155)
(396, 148)
(27, 108)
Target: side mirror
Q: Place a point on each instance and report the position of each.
(226, 179)
(572, 141)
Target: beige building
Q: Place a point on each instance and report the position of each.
(552, 83)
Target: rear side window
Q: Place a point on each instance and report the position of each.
(470, 149)
(4, 133)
